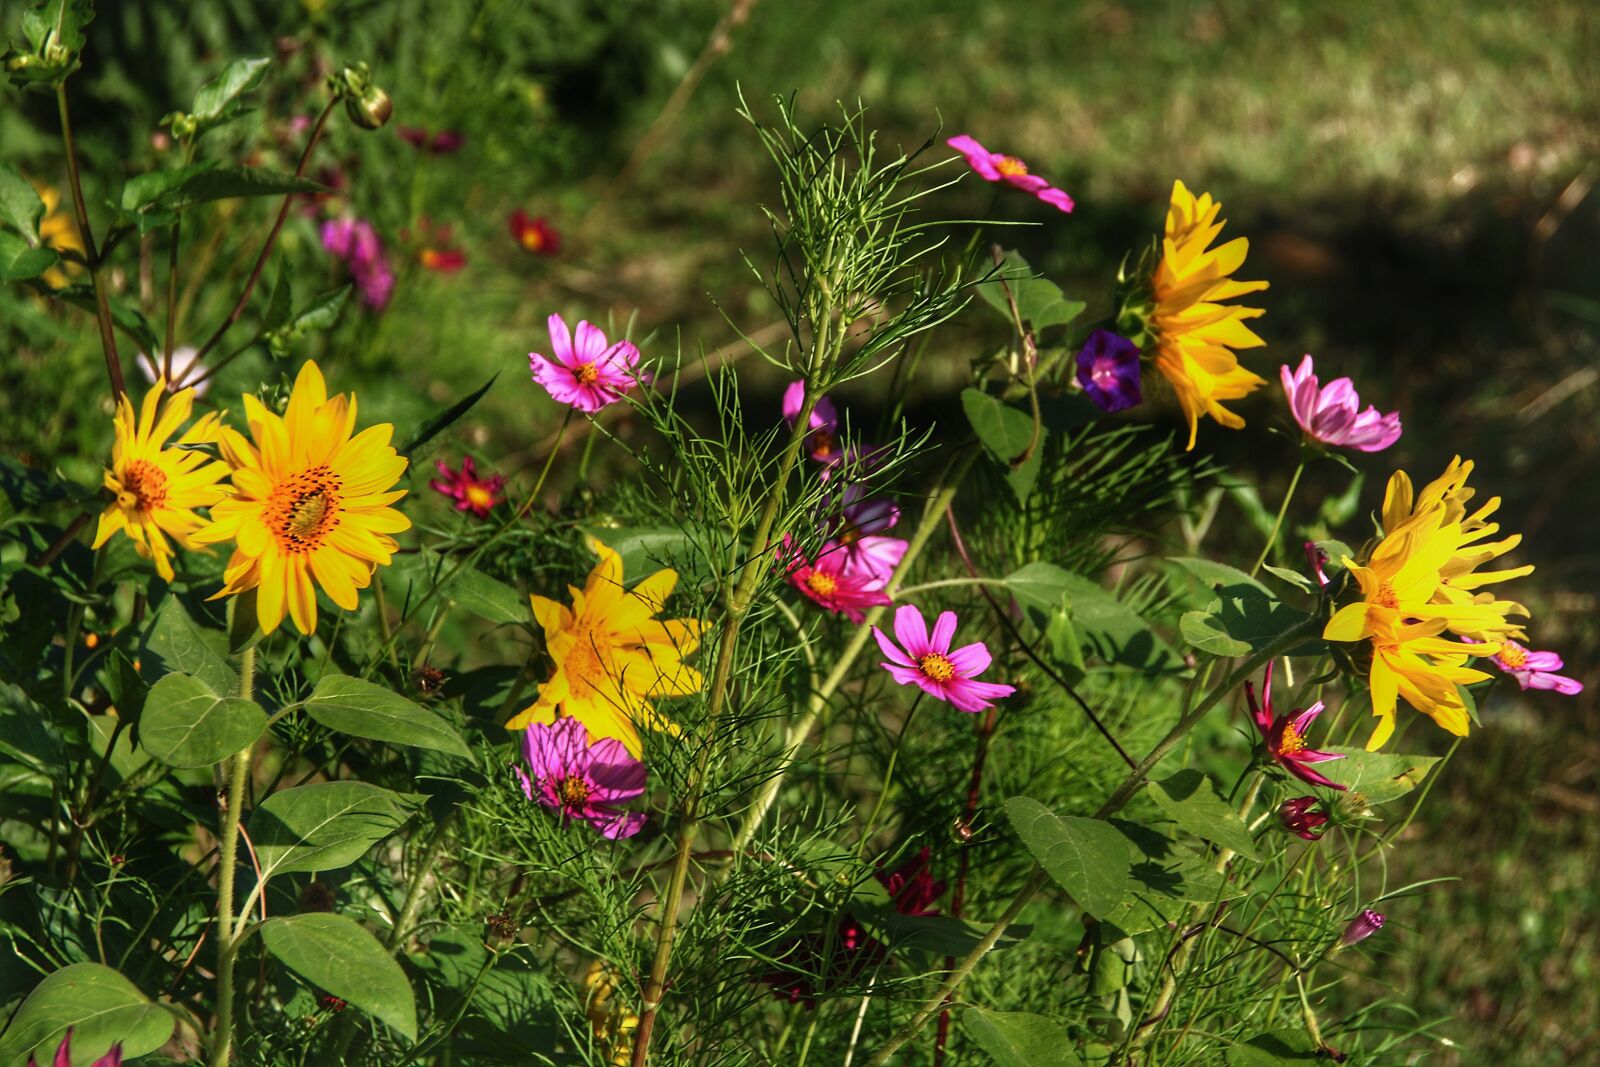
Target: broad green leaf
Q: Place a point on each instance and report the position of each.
(320, 314)
(1112, 630)
(1162, 892)
(362, 709)
(101, 1007)
(940, 935)
(1006, 432)
(19, 261)
(1205, 632)
(1219, 575)
(644, 549)
(1294, 578)
(324, 826)
(219, 97)
(341, 957)
(176, 643)
(1378, 776)
(244, 626)
(1277, 1048)
(514, 1016)
(1040, 302)
(20, 206)
(1191, 800)
(488, 598)
(28, 735)
(1019, 1038)
(442, 421)
(1089, 858)
(185, 724)
(144, 190)
(129, 319)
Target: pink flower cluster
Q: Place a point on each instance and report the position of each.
(357, 243)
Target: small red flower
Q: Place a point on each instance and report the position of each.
(471, 493)
(912, 887)
(442, 143)
(1285, 736)
(1299, 817)
(535, 235)
(443, 260)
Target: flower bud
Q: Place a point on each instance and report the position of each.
(1362, 927)
(1298, 817)
(367, 105)
(1317, 558)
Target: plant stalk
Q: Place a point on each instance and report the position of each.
(1277, 524)
(102, 303)
(222, 1039)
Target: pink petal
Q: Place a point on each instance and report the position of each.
(978, 157)
(970, 660)
(560, 339)
(1303, 721)
(1057, 199)
(944, 630)
(1542, 661)
(589, 343)
(912, 630)
(906, 675)
(892, 650)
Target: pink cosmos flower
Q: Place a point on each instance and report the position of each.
(63, 1057)
(589, 373)
(583, 781)
(357, 243)
(857, 530)
(833, 583)
(928, 663)
(822, 443)
(1300, 817)
(1534, 670)
(471, 493)
(1362, 927)
(994, 167)
(1330, 415)
(1285, 736)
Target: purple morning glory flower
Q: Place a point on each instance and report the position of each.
(1108, 370)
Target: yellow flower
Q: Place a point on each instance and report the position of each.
(310, 504)
(612, 1020)
(157, 488)
(612, 655)
(57, 230)
(1195, 332)
(1418, 584)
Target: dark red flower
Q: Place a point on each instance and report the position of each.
(471, 493)
(911, 887)
(1285, 736)
(1299, 818)
(806, 973)
(535, 235)
(442, 143)
(443, 260)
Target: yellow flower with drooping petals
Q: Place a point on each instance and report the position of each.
(612, 656)
(57, 230)
(1418, 585)
(157, 488)
(309, 506)
(1196, 333)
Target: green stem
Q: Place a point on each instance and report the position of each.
(888, 774)
(102, 304)
(948, 583)
(1277, 524)
(412, 904)
(222, 1039)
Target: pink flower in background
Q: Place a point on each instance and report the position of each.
(583, 781)
(822, 443)
(441, 143)
(995, 167)
(1300, 817)
(1108, 370)
(1534, 670)
(182, 362)
(832, 583)
(534, 235)
(928, 663)
(63, 1056)
(1285, 736)
(588, 373)
(1362, 927)
(470, 493)
(857, 530)
(1330, 415)
(912, 888)
(357, 243)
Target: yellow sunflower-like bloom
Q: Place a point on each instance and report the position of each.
(610, 1017)
(613, 656)
(310, 504)
(1195, 332)
(157, 488)
(1418, 584)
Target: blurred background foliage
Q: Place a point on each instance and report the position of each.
(1416, 180)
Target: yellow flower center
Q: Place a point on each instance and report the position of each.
(304, 509)
(532, 239)
(479, 497)
(822, 584)
(1292, 741)
(1513, 655)
(144, 486)
(586, 373)
(822, 444)
(574, 791)
(1011, 166)
(586, 670)
(1385, 597)
(936, 667)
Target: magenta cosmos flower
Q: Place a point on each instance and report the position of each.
(857, 530)
(928, 663)
(1108, 370)
(1330, 415)
(470, 492)
(1534, 670)
(357, 243)
(588, 372)
(1285, 737)
(833, 582)
(583, 781)
(822, 443)
(63, 1057)
(994, 167)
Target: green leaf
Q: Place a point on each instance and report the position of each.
(218, 99)
(143, 191)
(1378, 776)
(186, 724)
(1206, 632)
(20, 206)
(244, 626)
(176, 644)
(362, 709)
(325, 826)
(1219, 575)
(1006, 433)
(1294, 578)
(1089, 858)
(341, 957)
(128, 318)
(28, 735)
(1191, 799)
(1277, 1048)
(100, 1005)
(488, 598)
(19, 261)
(1112, 630)
(127, 690)
(645, 548)
(1019, 1038)
(319, 315)
(1040, 302)
(436, 425)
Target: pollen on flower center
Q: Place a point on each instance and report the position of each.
(1011, 166)
(822, 444)
(146, 483)
(1385, 597)
(1292, 742)
(936, 667)
(532, 240)
(1513, 655)
(821, 584)
(480, 497)
(304, 508)
(574, 791)
(586, 373)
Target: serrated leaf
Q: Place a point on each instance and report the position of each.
(362, 709)
(214, 100)
(1006, 433)
(325, 826)
(1191, 800)
(186, 724)
(1019, 1038)
(442, 421)
(19, 261)
(100, 1006)
(1040, 302)
(20, 205)
(176, 644)
(1205, 632)
(1088, 858)
(1378, 776)
(341, 957)
(143, 190)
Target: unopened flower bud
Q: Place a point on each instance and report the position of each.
(1317, 558)
(1299, 817)
(1362, 927)
(367, 105)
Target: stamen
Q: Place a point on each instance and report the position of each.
(304, 509)
(145, 483)
(822, 584)
(1011, 166)
(586, 373)
(936, 667)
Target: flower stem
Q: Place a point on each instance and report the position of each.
(222, 1039)
(1277, 523)
(102, 304)
(888, 774)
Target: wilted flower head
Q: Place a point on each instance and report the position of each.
(834, 581)
(1330, 415)
(63, 1056)
(583, 781)
(1362, 927)
(995, 167)
(1300, 817)
(1108, 370)
(534, 235)
(927, 661)
(357, 243)
(1317, 559)
(588, 372)
(470, 493)
(1285, 735)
